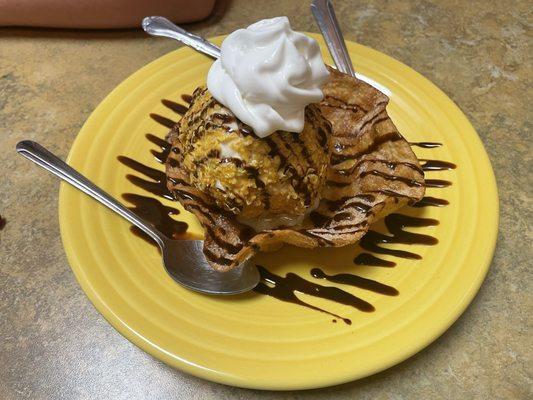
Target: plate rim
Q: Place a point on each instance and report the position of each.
(219, 377)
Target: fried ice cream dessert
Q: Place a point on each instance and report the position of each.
(278, 149)
(265, 183)
(371, 172)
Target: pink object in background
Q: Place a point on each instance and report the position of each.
(99, 14)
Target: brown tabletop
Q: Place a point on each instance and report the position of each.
(55, 345)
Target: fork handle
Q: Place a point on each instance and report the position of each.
(329, 27)
(42, 157)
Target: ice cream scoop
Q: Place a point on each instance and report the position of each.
(264, 182)
(267, 74)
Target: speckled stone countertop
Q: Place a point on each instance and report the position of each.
(55, 345)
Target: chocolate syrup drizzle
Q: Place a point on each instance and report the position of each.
(425, 145)
(429, 201)
(158, 214)
(286, 288)
(372, 260)
(357, 281)
(283, 288)
(395, 224)
(167, 122)
(436, 165)
(154, 181)
(372, 240)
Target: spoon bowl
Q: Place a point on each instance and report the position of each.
(185, 262)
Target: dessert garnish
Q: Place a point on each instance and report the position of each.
(267, 74)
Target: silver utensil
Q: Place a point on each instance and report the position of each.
(160, 26)
(321, 9)
(329, 27)
(183, 260)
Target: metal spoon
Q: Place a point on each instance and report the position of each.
(183, 260)
(322, 10)
(329, 27)
(160, 26)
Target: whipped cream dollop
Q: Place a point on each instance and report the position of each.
(267, 74)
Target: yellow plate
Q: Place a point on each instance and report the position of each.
(257, 341)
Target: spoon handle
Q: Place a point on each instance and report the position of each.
(329, 27)
(160, 26)
(39, 155)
